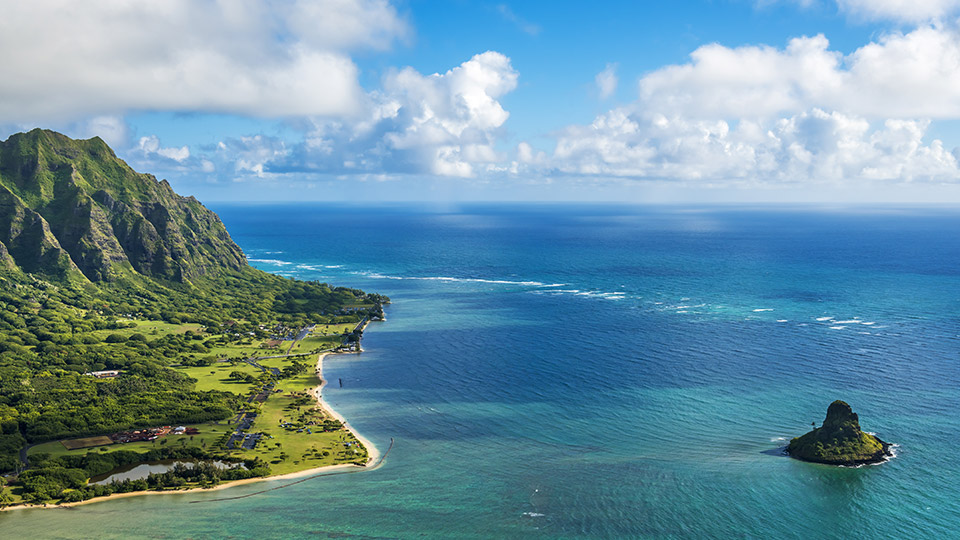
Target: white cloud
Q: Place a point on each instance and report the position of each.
(151, 145)
(248, 57)
(805, 113)
(114, 130)
(607, 81)
(249, 155)
(813, 146)
(746, 81)
(910, 11)
(150, 154)
(916, 74)
(442, 124)
(901, 75)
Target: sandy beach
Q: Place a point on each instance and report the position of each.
(372, 452)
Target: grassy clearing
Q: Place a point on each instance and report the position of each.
(332, 329)
(151, 329)
(217, 377)
(209, 434)
(310, 359)
(315, 344)
(235, 350)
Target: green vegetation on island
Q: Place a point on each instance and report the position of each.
(124, 306)
(839, 441)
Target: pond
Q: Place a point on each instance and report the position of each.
(137, 471)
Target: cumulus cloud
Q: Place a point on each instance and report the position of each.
(814, 145)
(607, 81)
(764, 114)
(149, 154)
(245, 56)
(900, 75)
(247, 156)
(746, 81)
(150, 145)
(442, 124)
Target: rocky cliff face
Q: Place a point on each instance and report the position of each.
(72, 209)
(839, 441)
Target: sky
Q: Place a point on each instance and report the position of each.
(459, 100)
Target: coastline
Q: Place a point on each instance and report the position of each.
(373, 454)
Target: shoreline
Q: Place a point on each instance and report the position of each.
(373, 454)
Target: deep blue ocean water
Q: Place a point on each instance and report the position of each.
(557, 371)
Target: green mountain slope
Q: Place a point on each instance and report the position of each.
(70, 209)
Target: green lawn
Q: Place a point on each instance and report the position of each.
(303, 450)
(333, 329)
(209, 434)
(236, 350)
(311, 344)
(217, 377)
(310, 359)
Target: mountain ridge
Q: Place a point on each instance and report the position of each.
(72, 210)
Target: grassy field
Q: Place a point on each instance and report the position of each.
(315, 344)
(235, 350)
(323, 336)
(332, 329)
(303, 450)
(284, 448)
(217, 377)
(209, 434)
(310, 359)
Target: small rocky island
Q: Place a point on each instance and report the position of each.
(839, 441)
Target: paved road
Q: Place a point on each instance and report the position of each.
(304, 332)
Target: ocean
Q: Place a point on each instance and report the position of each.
(575, 371)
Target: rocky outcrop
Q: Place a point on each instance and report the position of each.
(839, 441)
(72, 208)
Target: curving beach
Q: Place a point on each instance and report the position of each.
(372, 452)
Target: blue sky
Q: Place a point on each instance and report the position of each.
(684, 101)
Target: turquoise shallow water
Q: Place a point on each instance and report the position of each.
(608, 372)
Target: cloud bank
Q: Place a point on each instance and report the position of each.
(248, 57)
(441, 124)
(801, 113)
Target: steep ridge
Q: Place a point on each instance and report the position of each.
(70, 209)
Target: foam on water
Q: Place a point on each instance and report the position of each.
(377, 275)
(271, 261)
